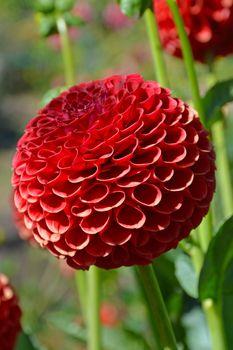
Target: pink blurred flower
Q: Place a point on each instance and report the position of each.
(83, 10)
(114, 18)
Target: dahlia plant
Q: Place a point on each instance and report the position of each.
(117, 171)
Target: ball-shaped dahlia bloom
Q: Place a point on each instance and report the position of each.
(209, 25)
(23, 232)
(113, 172)
(10, 315)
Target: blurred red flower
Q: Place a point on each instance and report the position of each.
(10, 315)
(109, 315)
(209, 25)
(113, 172)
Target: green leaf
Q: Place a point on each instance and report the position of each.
(66, 322)
(45, 6)
(27, 342)
(216, 97)
(228, 318)
(134, 8)
(219, 256)
(72, 20)
(196, 330)
(185, 274)
(50, 94)
(47, 24)
(64, 5)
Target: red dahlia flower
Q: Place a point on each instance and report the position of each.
(9, 315)
(113, 172)
(22, 230)
(209, 25)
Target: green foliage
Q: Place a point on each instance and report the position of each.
(48, 6)
(73, 21)
(228, 315)
(215, 98)
(27, 342)
(45, 6)
(48, 11)
(134, 8)
(186, 275)
(214, 278)
(196, 330)
(46, 23)
(130, 334)
(64, 320)
(217, 274)
(64, 5)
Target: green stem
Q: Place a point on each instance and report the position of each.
(91, 309)
(223, 170)
(188, 57)
(205, 231)
(93, 314)
(157, 307)
(81, 286)
(211, 310)
(197, 258)
(153, 324)
(214, 319)
(156, 49)
(68, 57)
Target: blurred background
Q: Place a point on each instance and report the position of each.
(107, 43)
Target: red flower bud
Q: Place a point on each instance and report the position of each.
(209, 25)
(113, 172)
(10, 315)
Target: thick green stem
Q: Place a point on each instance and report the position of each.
(156, 49)
(188, 57)
(157, 307)
(153, 324)
(211, 310)
(214, 319)
(197, 258)
(205, 231)
(223, 170)
(68, 57)
(224, 182)
(81, 286)
(93, 311)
